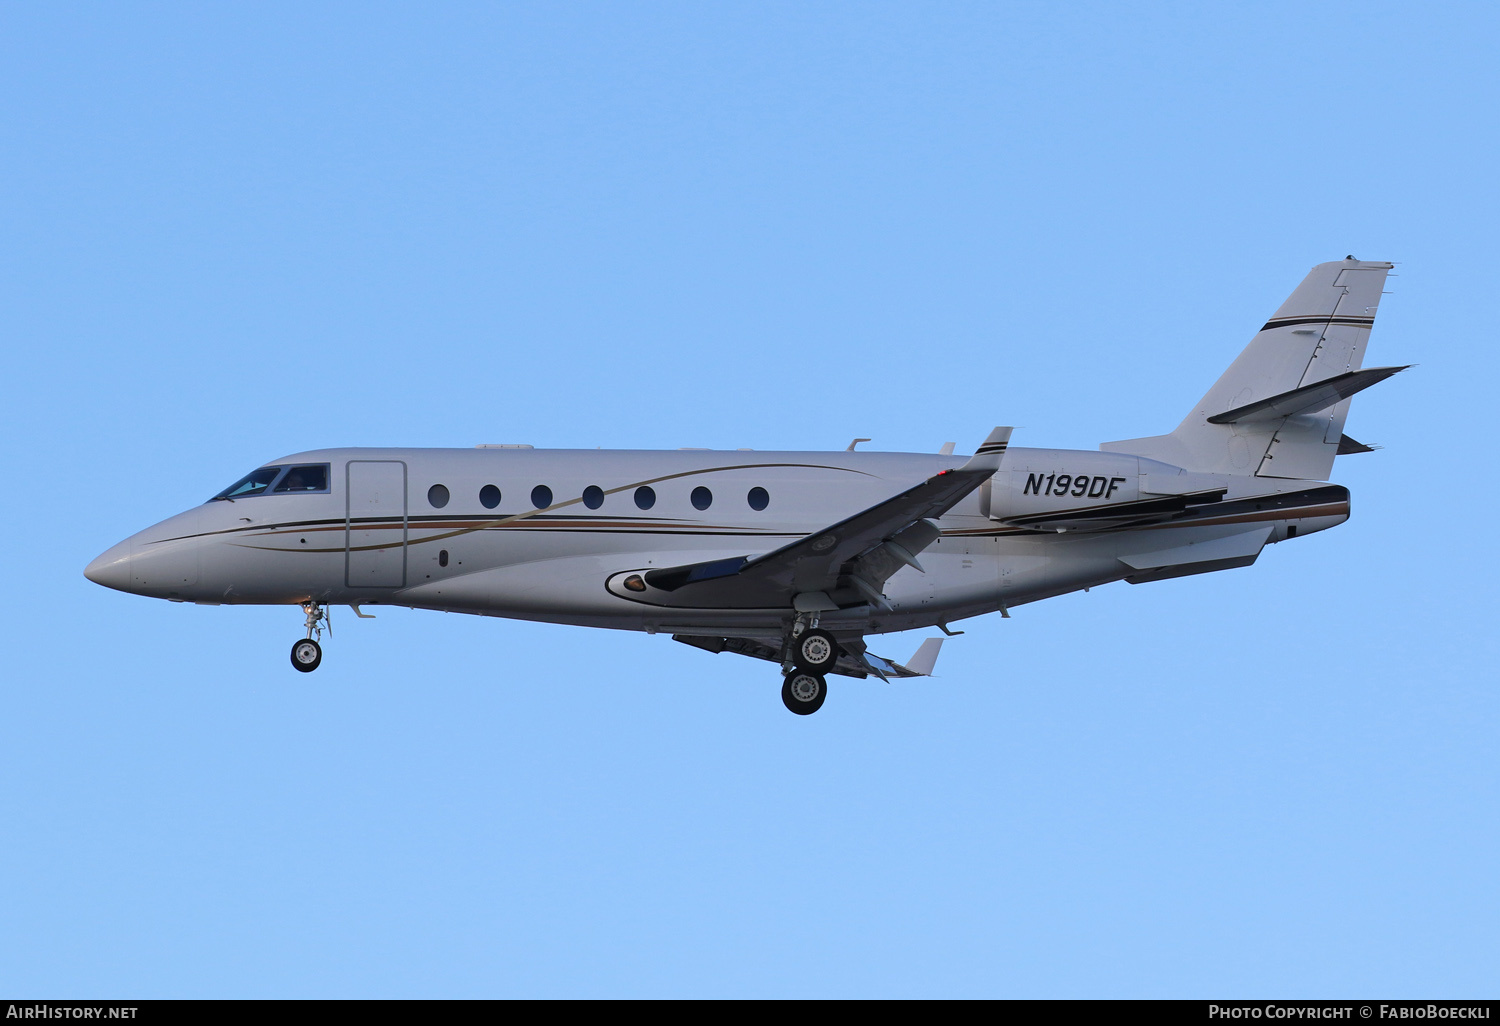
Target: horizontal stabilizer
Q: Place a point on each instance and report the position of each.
(1308, 399)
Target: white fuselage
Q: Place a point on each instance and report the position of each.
(420, 528)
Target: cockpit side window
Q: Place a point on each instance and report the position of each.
(253, 483)
(310, 478)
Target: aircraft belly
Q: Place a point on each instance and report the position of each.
(248, 570)
(1025, 566)
(560, 588)
(543, 585)
(957, 574)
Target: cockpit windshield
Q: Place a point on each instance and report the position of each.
(312, 477)
(253, 483)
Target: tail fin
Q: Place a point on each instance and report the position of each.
(1319, 333)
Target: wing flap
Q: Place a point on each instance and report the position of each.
(924, 659)
(853, 661)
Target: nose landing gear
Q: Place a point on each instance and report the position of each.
(307, 654)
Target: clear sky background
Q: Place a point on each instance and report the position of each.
(232, 232)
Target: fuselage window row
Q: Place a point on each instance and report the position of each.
(314, 478)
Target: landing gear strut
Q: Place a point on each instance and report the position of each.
(803, 692)
(307, 654)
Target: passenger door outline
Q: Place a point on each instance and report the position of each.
(372, 557)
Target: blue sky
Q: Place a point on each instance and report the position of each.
(231, 232)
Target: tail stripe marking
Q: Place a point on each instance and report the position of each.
(1286, 322)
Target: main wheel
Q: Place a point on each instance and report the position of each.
(803, 692)
(815, 651)
(306, 655)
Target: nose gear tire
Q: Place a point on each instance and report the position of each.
(306, 655)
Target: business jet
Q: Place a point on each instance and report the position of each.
(795, 558)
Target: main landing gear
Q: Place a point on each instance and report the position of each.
(307, 654)
(809, 655)
(814, 650)
(803, 692)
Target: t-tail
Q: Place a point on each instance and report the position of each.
(1279, 410)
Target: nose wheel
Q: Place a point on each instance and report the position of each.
(803, 692)
(307, 654)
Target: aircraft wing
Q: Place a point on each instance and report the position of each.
(844, 564)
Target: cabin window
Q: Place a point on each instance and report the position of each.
(593, 496)
(443, 557)
(253, 483)
(437, 496)
(310, 478)
(702, 498)
(489, 496)
(541, 496)
(645, 496)
(758, 498)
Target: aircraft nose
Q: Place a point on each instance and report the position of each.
(111, 568)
